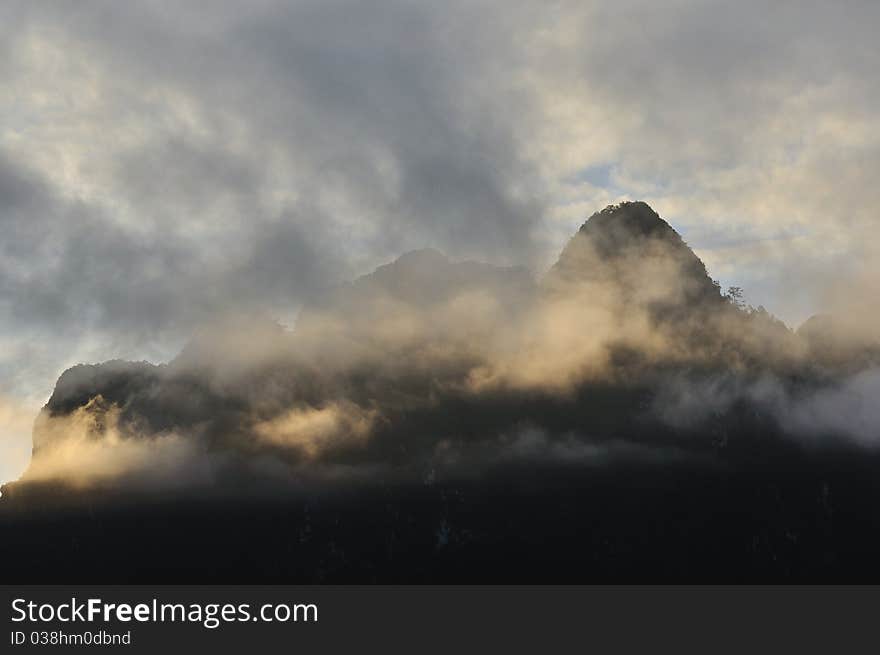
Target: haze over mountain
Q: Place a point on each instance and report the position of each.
(617, 419)
(431, 365)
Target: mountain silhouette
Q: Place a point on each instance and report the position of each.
(620, 243)
(616, 418)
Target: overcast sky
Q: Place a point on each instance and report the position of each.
(161, 162)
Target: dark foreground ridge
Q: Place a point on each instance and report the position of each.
(617, 420)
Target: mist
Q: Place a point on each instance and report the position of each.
(442, 368)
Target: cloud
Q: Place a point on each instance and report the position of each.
(16, 427)
(848, 408)
(311, 430)
(86, 447)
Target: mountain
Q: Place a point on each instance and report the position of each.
(425, 277)
(614, 419)
(427, 350)
(421, 296)
(629, 247)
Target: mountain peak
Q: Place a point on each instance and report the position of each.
(629, 246)
(620, 226)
